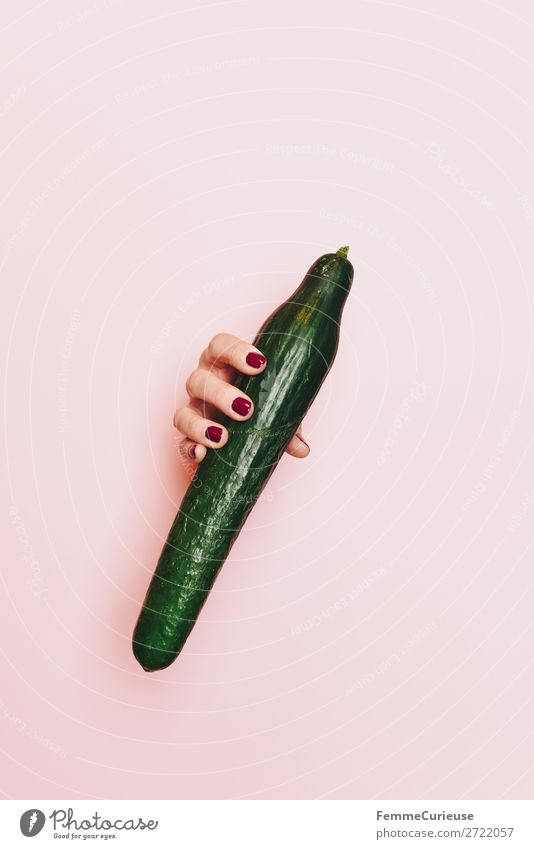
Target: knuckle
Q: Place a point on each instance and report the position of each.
(192, 382)
(216, 344)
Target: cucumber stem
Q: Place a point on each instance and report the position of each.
(342, 252)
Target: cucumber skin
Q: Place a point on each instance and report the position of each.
(300, 341)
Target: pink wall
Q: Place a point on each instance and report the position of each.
(171, 174)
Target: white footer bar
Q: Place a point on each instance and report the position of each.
(270, 824)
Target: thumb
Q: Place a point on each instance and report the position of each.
(298, 447)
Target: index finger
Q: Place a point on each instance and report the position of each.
(228, 350)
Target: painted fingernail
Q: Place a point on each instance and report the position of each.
(241, 406)
(192, 451)
(214, 433)
(255, 360)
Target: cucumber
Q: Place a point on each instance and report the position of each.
(300, 340)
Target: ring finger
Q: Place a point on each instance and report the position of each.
(200, 430)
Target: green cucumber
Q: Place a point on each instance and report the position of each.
(300, 341)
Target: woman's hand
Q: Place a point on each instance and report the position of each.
(210, 389)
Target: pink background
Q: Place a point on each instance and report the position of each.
(168, 173)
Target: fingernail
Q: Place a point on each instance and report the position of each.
(302, 440)
(241, 406)
(214, 433)
(192, 451)
(255, 360)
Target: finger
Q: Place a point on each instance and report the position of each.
(200, 430)
(207, 387)
(298, 447)
(227, 350)
(192, 451)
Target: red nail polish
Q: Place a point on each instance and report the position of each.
(241, 406)
(214, 433)
(255, 360)
(192, 451)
